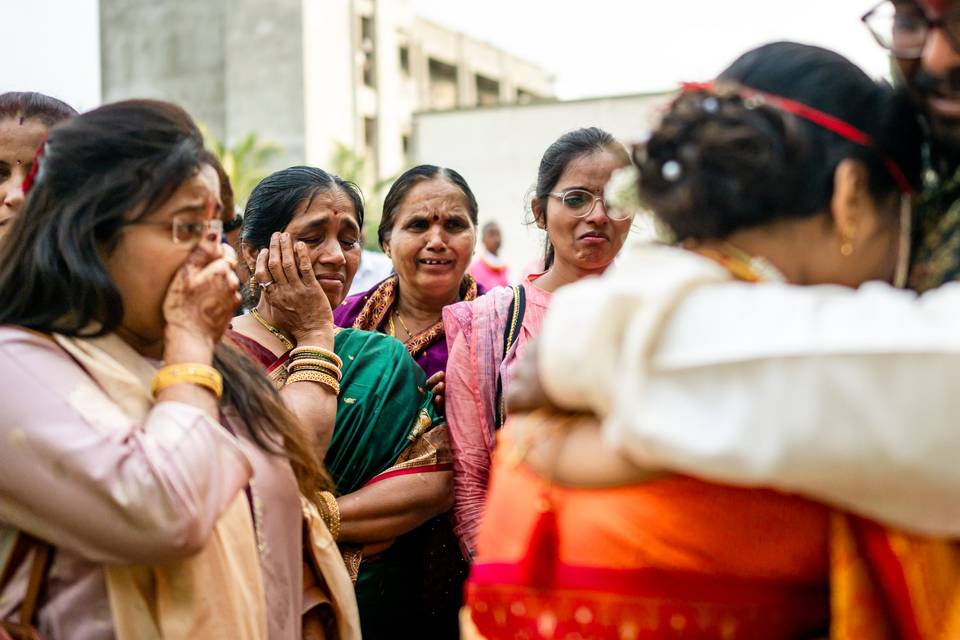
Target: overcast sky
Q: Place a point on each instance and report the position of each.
(592, 47)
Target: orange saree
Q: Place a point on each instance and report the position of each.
(679, 558)
(670, 558)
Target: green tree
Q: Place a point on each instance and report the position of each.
(245, 161)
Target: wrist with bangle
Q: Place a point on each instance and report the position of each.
(309, 363)
(330, 513)
(201, 375)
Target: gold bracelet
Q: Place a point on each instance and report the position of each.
(315, 363)
(308, 351)
(188, 373)
(310, 367)
(315, 376)
(330, 513)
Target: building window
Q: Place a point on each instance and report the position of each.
(368, 49)
(370, 150)
(526, 97)
(405, 59)
(443, 85)
(405, 143)
(488, 91)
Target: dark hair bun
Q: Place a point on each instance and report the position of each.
(716, 164)
(728, 159)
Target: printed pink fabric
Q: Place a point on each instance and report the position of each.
(475, 340)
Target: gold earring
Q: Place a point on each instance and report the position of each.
(252, 286)
(846, 244)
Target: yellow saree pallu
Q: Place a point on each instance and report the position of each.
(889, 584)
(217, 593)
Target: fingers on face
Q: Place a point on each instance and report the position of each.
(260, 270)
(306, 264)
(274, 261)
(288, 259)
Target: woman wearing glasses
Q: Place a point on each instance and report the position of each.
(486, 336)
(150, 473)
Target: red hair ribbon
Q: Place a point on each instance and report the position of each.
(35, 167)
(821, 119)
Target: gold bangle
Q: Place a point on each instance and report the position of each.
(330, 513)
(310, 367)
(308, 351)
(315, 376)
(315, 363)
(188, 373)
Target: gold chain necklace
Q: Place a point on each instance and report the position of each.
(272, 329)
(402, 323)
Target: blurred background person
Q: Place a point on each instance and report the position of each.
(489, 269)
(25, 120)
(374, 268)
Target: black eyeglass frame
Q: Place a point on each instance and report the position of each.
(932, 23)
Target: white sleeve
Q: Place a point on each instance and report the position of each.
(848, 396)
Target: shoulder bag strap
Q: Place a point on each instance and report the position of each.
(39, 568)
(510, 335)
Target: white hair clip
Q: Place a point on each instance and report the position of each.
(671, 171)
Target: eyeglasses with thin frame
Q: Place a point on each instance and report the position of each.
(580, 203)
(902, 27)
(187, 230)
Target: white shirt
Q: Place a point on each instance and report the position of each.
(848, 396)
(374, 267)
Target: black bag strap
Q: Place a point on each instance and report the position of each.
(515, 319)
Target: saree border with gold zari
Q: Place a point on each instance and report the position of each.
(382, 301)
(387, 423)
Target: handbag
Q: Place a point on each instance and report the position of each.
(39, 567)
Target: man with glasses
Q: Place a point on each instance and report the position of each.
(923, 36)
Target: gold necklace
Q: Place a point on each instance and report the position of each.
(272, 329)
(403, 324)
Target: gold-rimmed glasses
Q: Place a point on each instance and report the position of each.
(580, 203)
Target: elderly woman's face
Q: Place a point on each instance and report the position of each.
(432, 240)
(19, 141)
(147, 256)
(328, 225)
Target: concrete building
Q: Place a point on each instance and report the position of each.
(498, 150)
(307, 74)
